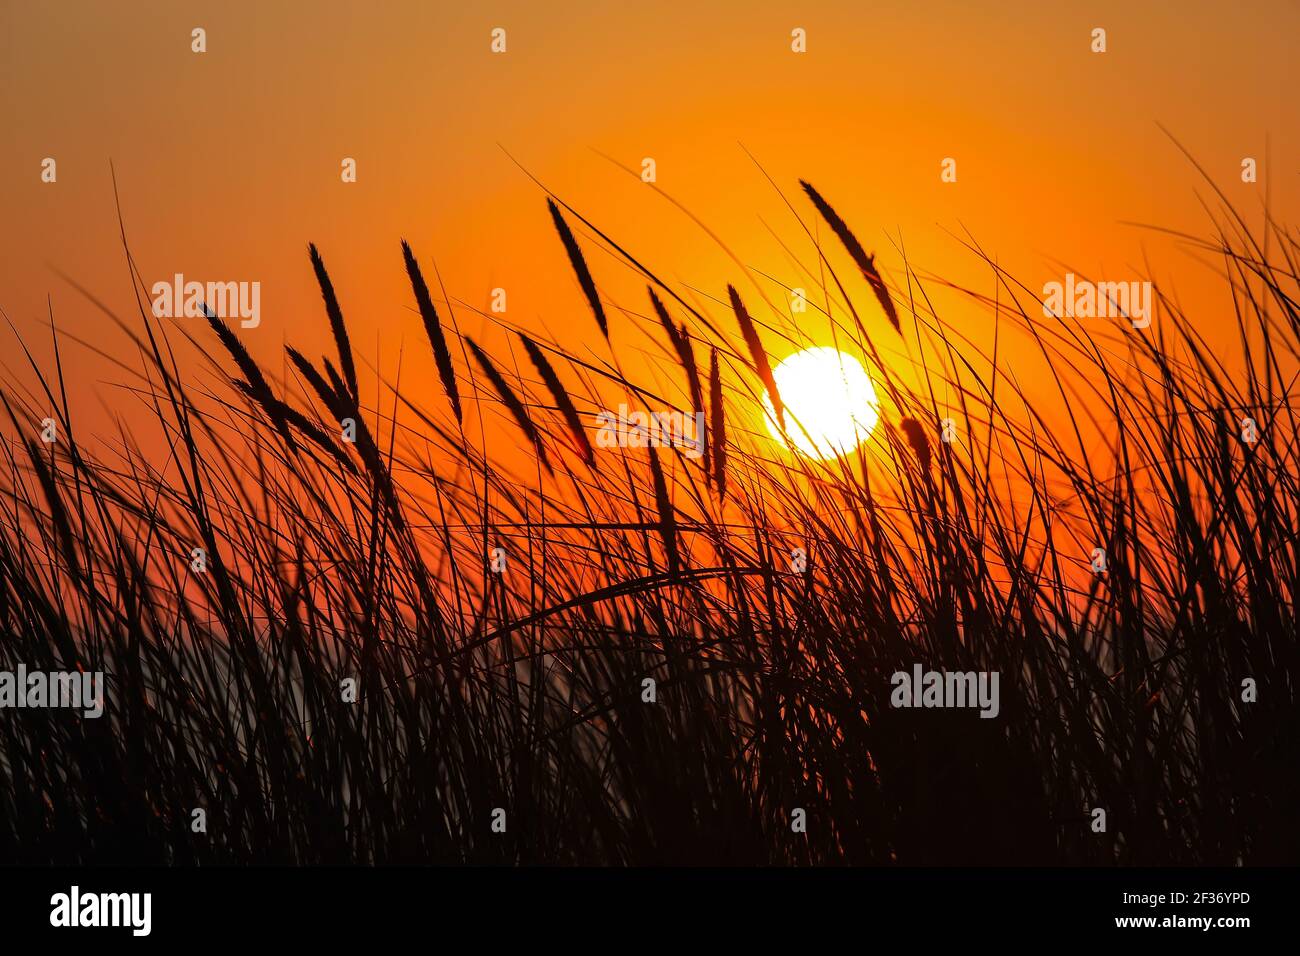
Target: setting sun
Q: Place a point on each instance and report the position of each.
(830, 403)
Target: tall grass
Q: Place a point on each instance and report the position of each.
(523, 688)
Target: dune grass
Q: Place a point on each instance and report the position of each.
(500, 619)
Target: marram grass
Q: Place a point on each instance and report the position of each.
(338, 630)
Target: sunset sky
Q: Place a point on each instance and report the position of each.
(228, 162)
(735, 516)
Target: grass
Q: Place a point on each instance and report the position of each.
(523, 690)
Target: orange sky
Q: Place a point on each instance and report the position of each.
(228, 161)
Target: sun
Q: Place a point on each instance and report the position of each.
(830, 403)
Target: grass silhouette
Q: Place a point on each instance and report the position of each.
(377, 560)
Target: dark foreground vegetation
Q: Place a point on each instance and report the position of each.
(500, 588)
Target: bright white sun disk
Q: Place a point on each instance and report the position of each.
(830, 403)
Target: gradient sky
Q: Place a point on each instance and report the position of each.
(227, 162)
